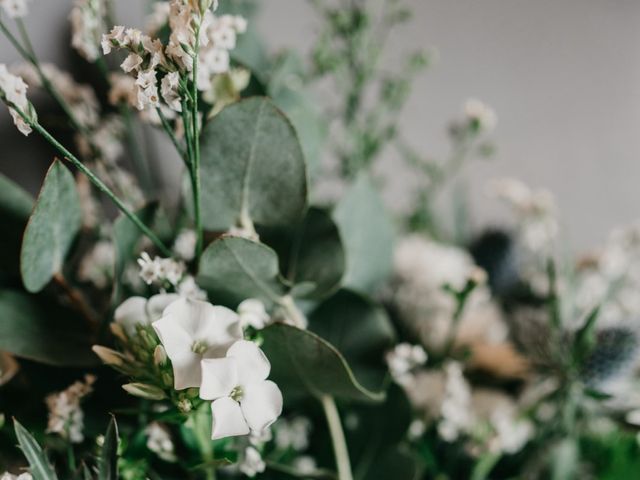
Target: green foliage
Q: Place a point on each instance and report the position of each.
(368, 235)
(41, 468)
(108, 461)
(15, 208)
(53, 225)
(33, 327)
(253, 169)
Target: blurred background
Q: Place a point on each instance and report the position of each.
(563, 77)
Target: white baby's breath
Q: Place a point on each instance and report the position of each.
(65, 415)
(14, 90)
(403, 359)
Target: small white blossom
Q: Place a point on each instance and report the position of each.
(159, 442)
(477, 111)
(65, 415)
(293, 434)
(251, 462)
(147, 89)
(160, 270)
(403, 359)
(243, 399)
(15, 8)
(456, 414)
(417, 428)
(253, 314)
(511, 433)
(192, 330)
(169, 87)
(188, 288)
(14, 89)
(97, 265)
(86, 19)
(185, 245)
(22, 476)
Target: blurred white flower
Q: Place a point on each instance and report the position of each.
(192, 330)
(22, 476)
(14, 90)
(185, 245)
(293, 433)
(188, 288)
(159, 442)
(65, 415)
(511, 433)
(252, 313)
(87, 24)
(251, 462)
(455, 412)
(160, 270)
(136, 311)
(403, 359)
(15, 8)
(243, 399)
(417, 428)
(482, 114)
(305, 464)
(97, 265)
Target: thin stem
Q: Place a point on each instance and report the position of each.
(137, 156)
(195, 161)
(169, 131)
(71, 457)
(337, 437)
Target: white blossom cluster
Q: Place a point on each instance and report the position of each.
(66, 418)
(159, 271)
(422, 270)
(15, 8)
(87, 27)
(191, 32)
(10, 476)
(456, 415)
(293, 433)
(184, 245)
(403, 359)
(96, 266)
(159, 442)
(14, 90)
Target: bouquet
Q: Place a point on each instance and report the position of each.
(261, 313)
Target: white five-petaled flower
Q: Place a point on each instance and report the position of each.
(140, 311)
(192, 330)
(252, 313)
(244, 400)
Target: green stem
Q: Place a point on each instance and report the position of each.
(169, 131)
(71, 457)
(94, 179)
(195, 161)
(337, 437)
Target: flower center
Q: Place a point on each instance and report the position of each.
(199, 347)
(237, 393)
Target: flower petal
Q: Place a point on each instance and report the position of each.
(157, 304)
(219, 328)
(130, 313)
(253, 366)
(177, 343)
(228, 420)
(187, 372)
(184, 312)
(261, 404)
(219, 377)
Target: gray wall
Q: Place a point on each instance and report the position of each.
(564, 77)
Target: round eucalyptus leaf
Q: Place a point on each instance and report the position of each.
(54, 223)
(252, 167)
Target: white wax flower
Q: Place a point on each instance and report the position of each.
(15, 8)
(251, 462)
(404, 358)
(192, 330)
(141, 311)
(293, 434)
(252, 313)
(244, 400)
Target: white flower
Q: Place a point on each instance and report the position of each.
(122, 89)
(456, 414)
(185, 244)
(160, 270)
(86, 27)
(136, 311)
(477, 111)
(147, 89)
(14, 90)
(511, 433)
(115, 38)
(15, 8)
(188, 288)
(251, 462)
(253, 314)
(192, 330)
(293, 433)
(65, 415)
(169, 87)
(22, 476)
(403, 359)
(305, 464)
(417, 428)
(97, 265)
(131, 63)
(244, 400)
(159, 442)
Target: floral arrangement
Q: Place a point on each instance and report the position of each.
(245, 320)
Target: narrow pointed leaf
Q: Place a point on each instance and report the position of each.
(108, 461)
(39, 464)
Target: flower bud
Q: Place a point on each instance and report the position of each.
(108, 356)
(118, 331)
(185, 406)
(144, 390)
(159, 356)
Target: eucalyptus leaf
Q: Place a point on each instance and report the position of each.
(15, 207)
(252, 167)
(360, 330)
(233, 269)
(54, 223)
(367, 233)
(311, 254)
(108, 461)
(303, 363)
(40, 467)
(35, 328)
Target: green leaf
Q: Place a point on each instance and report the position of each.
(252, 167)
(360, 330)
(53, 225)
(35, 328)
(108, 461)
(367, 233)
(233, 269)
(15, 208)
(311, 254)
(585, 337)
(304, 363)
(41, 469)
